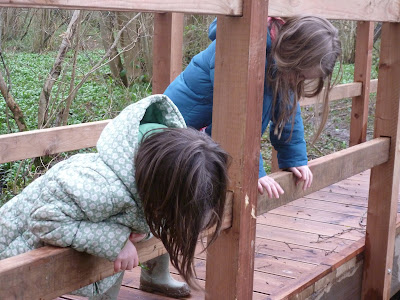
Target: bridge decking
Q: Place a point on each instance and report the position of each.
(295, 243)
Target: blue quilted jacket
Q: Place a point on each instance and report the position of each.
(192, 93)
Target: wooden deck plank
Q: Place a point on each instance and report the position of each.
(330, 206)
(318, 215)
(343, 199)
(305, 239)
(262, 281)
(281, 266)
(289, 251)
(310, 226)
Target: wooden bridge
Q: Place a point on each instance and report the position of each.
(306, 243)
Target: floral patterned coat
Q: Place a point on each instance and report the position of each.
(88, 202)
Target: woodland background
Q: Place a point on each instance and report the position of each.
(61, 67)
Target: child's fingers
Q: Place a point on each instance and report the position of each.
(308, 177)
(275, 191)
(271, 186)
(268, 189)
(124, 264)
(296, 173)
(279, 188)
(136, 237)
(260, 188)
(311, 176)
(117, 265)
(130, 265)
(136, 262)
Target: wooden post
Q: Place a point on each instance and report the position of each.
(384, 185)
(274, 161)
(362, 73)
(238, 94)
(167, 49)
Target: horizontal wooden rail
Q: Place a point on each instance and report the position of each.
(328, 170)
(383, 11)
(342, 91)
(211, 7)
(360, 10)
(42, 142)
(49, 272)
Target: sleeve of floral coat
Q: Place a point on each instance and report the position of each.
(74, 210)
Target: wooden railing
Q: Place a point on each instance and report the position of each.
(238, 85)
(384, 11)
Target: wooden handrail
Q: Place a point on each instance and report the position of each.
(342, 91)
(328, 170)
(360, 10)
(382, 11)
(42, 142)
(211, 7)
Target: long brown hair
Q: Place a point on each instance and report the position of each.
(304, 44)
(181, 176)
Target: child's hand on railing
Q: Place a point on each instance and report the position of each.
(127, 259)
(271, 186)
(303, 173)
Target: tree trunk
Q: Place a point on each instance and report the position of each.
(130, 48)
(55, 72)
(12, 105)
(65, 112)
(107, 38)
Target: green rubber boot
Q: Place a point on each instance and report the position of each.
(156, 278)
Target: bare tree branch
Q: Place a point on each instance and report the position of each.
(65, 111)
(11, 104)
(55, 72)
(99, 64)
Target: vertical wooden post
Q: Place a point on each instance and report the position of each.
(384, 185)
(238, 94)
(167, 49)
(274, 161)
(362, 73)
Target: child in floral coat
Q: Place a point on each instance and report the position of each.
(151, 174)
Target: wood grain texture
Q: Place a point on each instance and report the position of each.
(167, 49)
(238, 94)
(383, 10)
(42, 142)
(212, 7)
(338, 92)
(325, 273)
(362, 74)
(384, 186)
(328, 170)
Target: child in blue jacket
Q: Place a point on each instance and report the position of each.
(299, 50)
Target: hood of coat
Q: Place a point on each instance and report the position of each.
(120, 139)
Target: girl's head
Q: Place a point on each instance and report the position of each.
(181, 176)
(305, 48)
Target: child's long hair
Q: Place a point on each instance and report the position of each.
(304, 44)
(181, 176)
